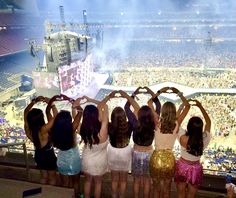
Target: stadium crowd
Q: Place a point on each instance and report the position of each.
(193, 78)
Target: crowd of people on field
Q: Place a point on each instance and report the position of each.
(192, 78)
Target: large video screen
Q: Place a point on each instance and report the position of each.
(70, 76)
(46, 80)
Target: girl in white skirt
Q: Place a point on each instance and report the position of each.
(119, 149)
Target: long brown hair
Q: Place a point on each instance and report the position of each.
(119, 127)
(144, 133)
(90, 126)
(168, 117)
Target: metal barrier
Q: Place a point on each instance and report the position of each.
(25, 154)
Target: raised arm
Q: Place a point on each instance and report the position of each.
(149, 91)
(181, 113)
(26, 125)
(77, 112)
(205, 115)
(131, 101)
(51, 106)
(109, 96)
(156, 113)
(91, 100)
(26, 111)
(154, 99)
(127, 105)
(103, 117)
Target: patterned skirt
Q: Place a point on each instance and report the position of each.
(140, 163)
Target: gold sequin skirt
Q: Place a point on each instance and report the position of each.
(162, 165)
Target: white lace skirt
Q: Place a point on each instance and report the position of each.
(94, 160)
(119, 159)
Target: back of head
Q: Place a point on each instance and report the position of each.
(63, 136)
(168, 117)
(118, 129)
(194, 132)
(90, 126)
(145, 131)
(35, 119)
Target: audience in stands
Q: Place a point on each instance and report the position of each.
(38, 131)
(189, 171)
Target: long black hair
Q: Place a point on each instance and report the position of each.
(63, 136)
(195, 140)
(90, 126)
(144, 133)
(35, 119)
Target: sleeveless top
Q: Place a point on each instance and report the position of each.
(183, 151)
(166, 140)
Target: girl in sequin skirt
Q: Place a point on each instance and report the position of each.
(189, 171)
(162, 162)
(143, 135)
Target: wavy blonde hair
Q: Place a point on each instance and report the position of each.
(168, 117)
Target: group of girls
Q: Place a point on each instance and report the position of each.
(107, 143)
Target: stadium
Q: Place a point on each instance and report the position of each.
(49, 48)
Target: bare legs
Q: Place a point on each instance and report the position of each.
(119, 183)
(186, 190)
(76, 183)
(162, 188)
(88, 183)
(142, 182)
(166, 188)
(48, 177)
(157, 189)
(123, 183)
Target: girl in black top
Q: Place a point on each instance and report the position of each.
(143, 124)
(37, 130)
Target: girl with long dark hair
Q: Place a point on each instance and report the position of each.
(143, 125)
(38, 131)
(64, 138)
(94, 133)
(189, 171)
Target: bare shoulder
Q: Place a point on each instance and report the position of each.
(184, 140)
